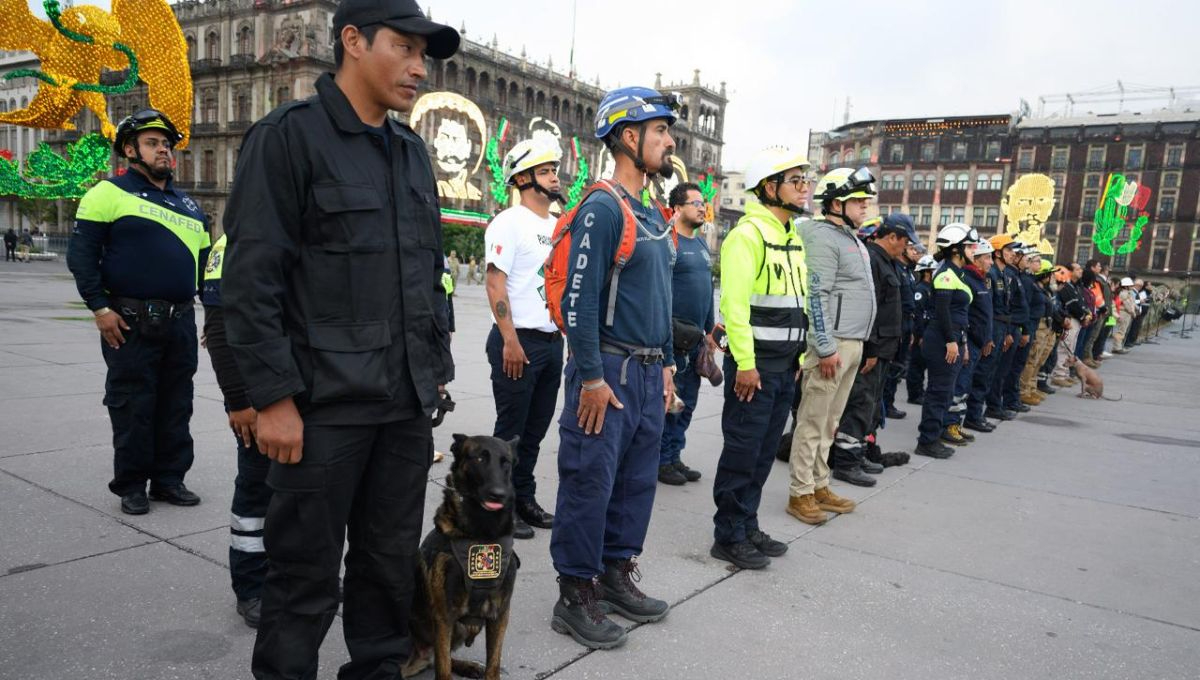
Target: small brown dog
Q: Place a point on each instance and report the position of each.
(1091, 386)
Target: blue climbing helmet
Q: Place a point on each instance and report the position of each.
(635, 105)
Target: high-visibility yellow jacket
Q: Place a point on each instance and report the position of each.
(762, 291)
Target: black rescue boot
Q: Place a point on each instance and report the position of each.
(934, 449)
(619, 591)
(577, 613)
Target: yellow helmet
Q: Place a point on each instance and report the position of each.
(530, 154)
(772, 161)
(841, 184)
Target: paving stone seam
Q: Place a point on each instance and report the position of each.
(47, 565)
(1011, 485)
(1010, 586)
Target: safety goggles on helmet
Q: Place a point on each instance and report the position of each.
(956, 233)
(926, 263)
(146, 119)
(843, 184)
(635, 105)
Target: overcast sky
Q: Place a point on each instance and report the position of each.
(786, 61)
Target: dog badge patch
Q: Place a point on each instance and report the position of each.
(484, 561)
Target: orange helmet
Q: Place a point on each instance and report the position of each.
(999, 241)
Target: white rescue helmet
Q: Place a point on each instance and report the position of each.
(773, 161)
(956, 233)
(529, 154)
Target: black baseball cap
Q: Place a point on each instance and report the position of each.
(400, 15)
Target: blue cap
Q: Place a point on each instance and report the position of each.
(902, 223)
(635, 105)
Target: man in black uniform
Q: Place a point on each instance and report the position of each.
(862, 415)
(904, 264)
(136, 254)
(338, 320)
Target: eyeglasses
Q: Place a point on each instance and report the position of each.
(798, 180)
(695, 204)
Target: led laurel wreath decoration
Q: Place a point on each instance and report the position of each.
(581, 175)
(498, 186)
(50, 176)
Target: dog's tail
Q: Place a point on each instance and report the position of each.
(1117, 399)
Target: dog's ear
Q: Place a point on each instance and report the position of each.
(456, 447)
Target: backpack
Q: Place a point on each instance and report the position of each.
(558, 262)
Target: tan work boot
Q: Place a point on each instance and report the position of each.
(828, 500)
(1030, 400)
(1061, 382)
(804, 508)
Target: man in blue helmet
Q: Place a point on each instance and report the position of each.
(617, 383)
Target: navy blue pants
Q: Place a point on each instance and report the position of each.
(981, 376)
(687, 388)
(751, 430)
(940, 390)
(525, 407)
(1012, 381)
(251, 496)
(606, 481)
(915, 380)
(1004, 363)
(148, 393)
(962, 387)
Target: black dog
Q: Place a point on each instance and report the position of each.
(468, 567)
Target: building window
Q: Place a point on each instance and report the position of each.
(1158, 259)
(923, 214)
(885, 184)
(948, 182)
(898, 182)
(212, 46)
(835, 159)
(245, 40)
(242, 106)
(997, 181)
(864, 154)
(1120, 260)
(993, 151)
(1196, 258)
(977, 218)
(1050, 229)
(982, 180)
(1095, 157)
(1133, 156)
(928, 151)
(959, 151)
(1059, 157)
(918, 182)
(1025, 159)
(1083, 253)
(1170, 180)
(962, 182)
(1091, 181)
(1174, 156)
(1166, 208)
(210, 108)
(1086, 228)
(208, 170)
(993, 218)
(1088, 210)
(1162, 231)
(896, 152)
(283, 95)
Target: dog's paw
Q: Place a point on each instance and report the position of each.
(468, 669)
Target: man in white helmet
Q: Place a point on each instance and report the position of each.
(524, 347)
(762, 302)
(841, 310)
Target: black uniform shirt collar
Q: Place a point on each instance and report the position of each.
(137, 182)
(346, 118)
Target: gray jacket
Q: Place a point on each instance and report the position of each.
(841, 295)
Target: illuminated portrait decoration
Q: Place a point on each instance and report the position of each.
(1027, 206)
(458, 137)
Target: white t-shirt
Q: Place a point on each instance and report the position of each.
(518, 243)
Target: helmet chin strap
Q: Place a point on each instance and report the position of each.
(841, 215)
(552, 195)
(160, 175)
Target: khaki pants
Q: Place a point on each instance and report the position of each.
(23, 253)
(1041, 350)
(1124, 321)
(821, 404)
(1066, 350)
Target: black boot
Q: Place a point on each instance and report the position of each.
(854, 476)
(534, 515)
(934, 449)
(135, 503)
(894, 413)
(577, 613)
(869, 466)
(618, 590)
(250, 611)
(520, 528)
(1045, 388)
(669, 474)
(765, 544)
(742, 555)
(688, 473)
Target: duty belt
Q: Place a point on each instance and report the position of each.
(135, 308)
(547, 336)
(647, 356)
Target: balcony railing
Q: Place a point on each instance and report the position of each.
(237, 125)
(242, 60)
(205, 65)
(205, 128)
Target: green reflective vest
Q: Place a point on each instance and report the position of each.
(762, 291)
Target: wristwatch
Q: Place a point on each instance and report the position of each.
(102, 311)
